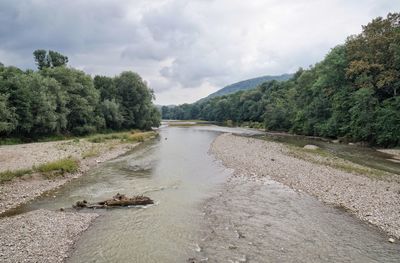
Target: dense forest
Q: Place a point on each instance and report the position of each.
(352, 94)
(60, 100)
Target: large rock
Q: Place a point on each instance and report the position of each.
(311, 147)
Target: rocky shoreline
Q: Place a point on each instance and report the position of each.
(41, 235)
(370, 199)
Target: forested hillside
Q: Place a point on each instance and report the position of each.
(247, 84)
(352, 94)
(57, 99)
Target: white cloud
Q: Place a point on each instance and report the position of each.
(184, 49)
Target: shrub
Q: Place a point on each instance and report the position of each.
(67, 165)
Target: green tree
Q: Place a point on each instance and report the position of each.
(112, 114)
(49, 59)
(40, 56)
(106, 86)
(7, 116)
(82, 99)
(135, 99)
(388, 122)
(362, 115)
(56, 59)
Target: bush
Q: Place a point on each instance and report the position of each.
(67, 165)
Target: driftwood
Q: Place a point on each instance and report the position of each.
(117, 201)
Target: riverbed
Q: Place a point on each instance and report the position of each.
(203, 213)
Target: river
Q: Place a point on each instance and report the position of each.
(187, 184)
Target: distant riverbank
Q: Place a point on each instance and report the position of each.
(372, 196)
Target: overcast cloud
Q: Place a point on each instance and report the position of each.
(183, 49)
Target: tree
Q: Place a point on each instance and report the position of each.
(82, 99)
(388, 122)
(362, 115)
(49, 59)
(106, 87)
(56, 59)
(135, 99)
(112, 114)
(374, 56)
(41, 58)
(7, 116)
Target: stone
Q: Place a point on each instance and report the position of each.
(232, 246)
(311, 147)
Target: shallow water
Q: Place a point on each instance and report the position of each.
(269, 222)
(178, 173)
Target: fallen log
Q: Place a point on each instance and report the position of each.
(119, 200)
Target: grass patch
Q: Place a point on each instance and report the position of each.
(9, 175)
(132, 136)
(93, 152)
(60, 167)
(49, 170)
(187, 124)
(99, 138)
(141, 136)
(186, 121)
(10, 141)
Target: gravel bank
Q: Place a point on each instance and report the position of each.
(22, 190)
(262, 220)
(374, 201)
(41, 235)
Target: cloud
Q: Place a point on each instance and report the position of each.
(184, 49)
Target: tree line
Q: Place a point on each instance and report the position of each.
(352, 94)
(60, 100)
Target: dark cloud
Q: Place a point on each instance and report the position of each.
(184, 49)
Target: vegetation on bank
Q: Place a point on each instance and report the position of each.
(59, 167)
(132, 136)
(322, 157)
(57, 100)
(352, 94)
(49, 170)
(99, 144)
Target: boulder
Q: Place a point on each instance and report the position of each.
(311, 147)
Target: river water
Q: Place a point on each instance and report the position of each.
(188, 185)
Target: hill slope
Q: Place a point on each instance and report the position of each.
(247, 84)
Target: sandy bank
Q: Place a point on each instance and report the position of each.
(372, 200)
(41, 235)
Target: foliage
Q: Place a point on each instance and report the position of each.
(57, 100)
(49, 59)
(353, 93)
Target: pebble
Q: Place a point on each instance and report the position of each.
(41, 235)
(361, 195)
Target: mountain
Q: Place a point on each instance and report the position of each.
(247, 84)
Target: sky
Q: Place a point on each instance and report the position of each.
(183, 49)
